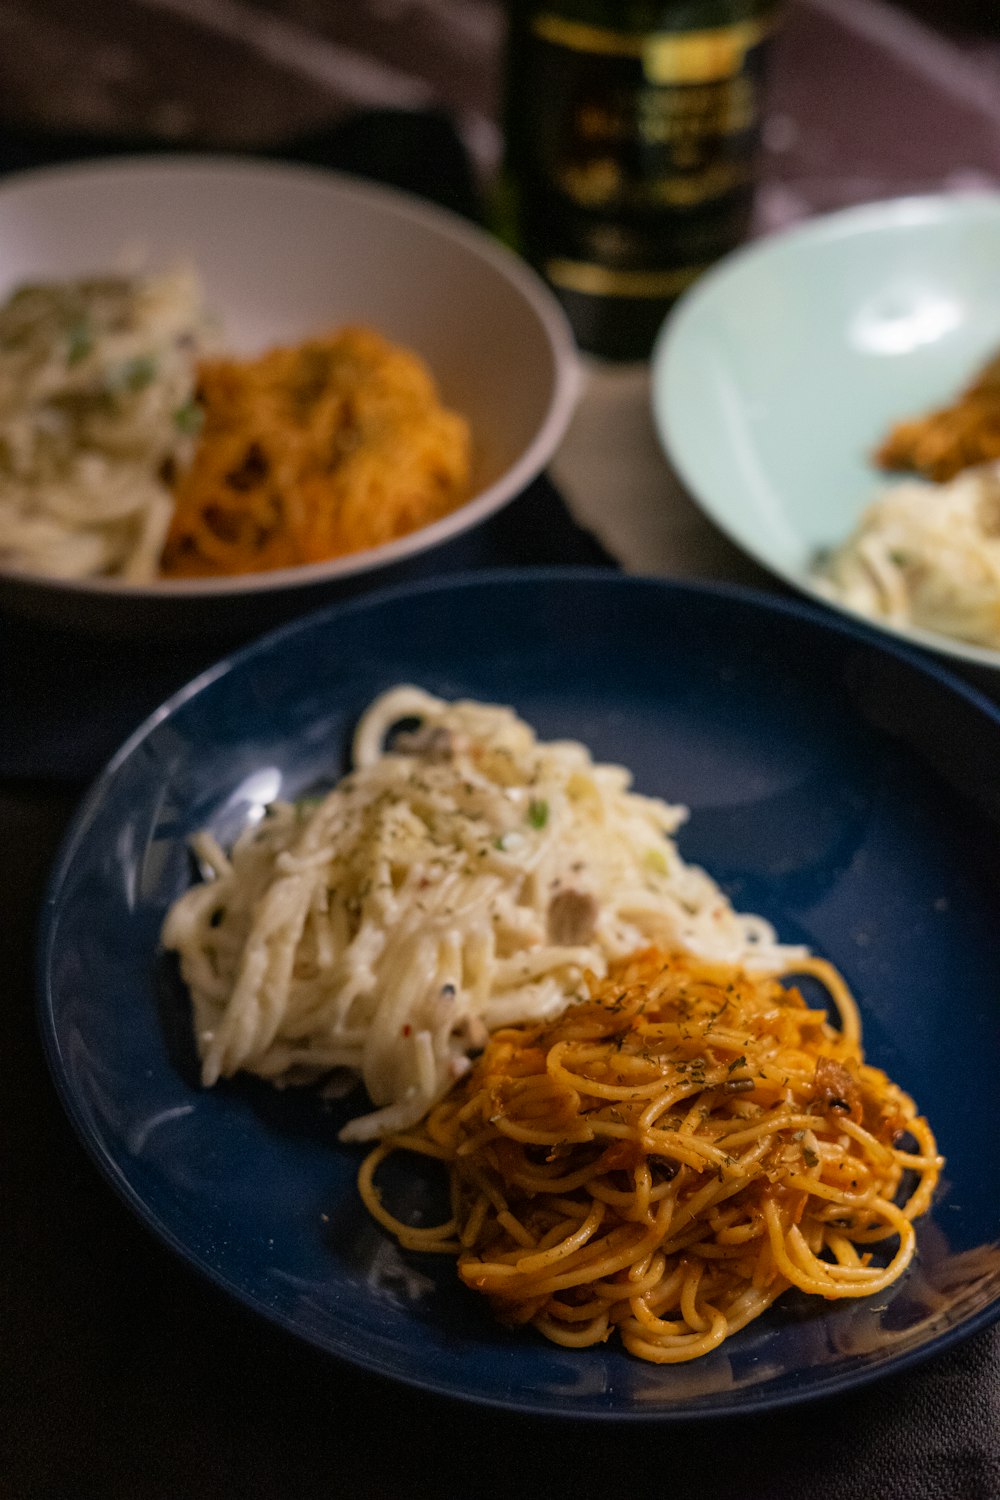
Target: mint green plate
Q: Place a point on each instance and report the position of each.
(778, 373)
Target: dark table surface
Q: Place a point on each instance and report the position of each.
(121, 1371)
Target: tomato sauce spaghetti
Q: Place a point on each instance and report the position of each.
(670, 1156)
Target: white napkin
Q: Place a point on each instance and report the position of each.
(616, 481)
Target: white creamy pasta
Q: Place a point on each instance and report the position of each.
(926, 555)
(97, 381)
(462, 876)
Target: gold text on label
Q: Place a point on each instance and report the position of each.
(656, 118)
(601, 281)
(601, 184)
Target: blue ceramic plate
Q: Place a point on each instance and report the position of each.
(781, 370)
(844, 788)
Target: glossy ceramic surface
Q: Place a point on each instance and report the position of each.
(284, 251)
(779, 372)
(845, 788)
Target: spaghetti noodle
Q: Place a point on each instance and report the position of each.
(670, 1156)
(312, 451)
(926, 555)
(97, 414)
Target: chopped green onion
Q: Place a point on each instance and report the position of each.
(134, 375)
(538, 813)
(189, 417)
(80, 343)
(140, 372)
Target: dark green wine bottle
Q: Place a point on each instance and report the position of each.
(631, 134)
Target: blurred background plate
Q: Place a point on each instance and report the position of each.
(778, 374)
(840, 786)
(284, 251)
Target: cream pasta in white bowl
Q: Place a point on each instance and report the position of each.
(462, 876)
(285, 258)
(925, 555)
(97, 413)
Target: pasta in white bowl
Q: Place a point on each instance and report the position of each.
(487, 328)
(97, 412)
(925, 555)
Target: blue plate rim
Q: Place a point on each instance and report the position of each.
(794, 608)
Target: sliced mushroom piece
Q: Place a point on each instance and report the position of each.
(432, 742)
(572, 918)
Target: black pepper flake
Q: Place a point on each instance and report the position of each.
(252, 468)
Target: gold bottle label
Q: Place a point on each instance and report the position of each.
(603, 281)
(630, 119)
(706, 56)
(633, 153)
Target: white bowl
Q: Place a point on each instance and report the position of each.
(283, 251)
